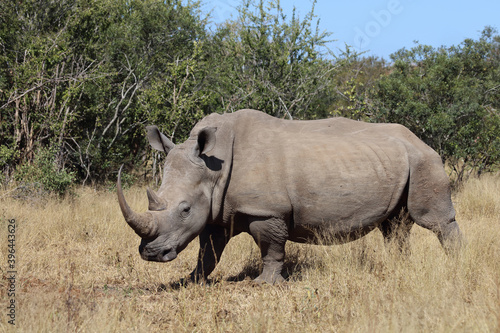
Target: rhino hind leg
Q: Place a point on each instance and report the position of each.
(270, 235)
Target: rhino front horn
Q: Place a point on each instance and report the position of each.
(143, 224)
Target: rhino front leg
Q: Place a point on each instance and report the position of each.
(271, 236)
(213, 240)
(397, 229)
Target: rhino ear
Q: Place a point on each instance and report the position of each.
(158, 140)
(206, 140)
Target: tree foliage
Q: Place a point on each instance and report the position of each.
(352, 91)
(80, 79)
(268, 61)
(450, 98)
(73, 73)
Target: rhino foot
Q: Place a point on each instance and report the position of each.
(194, 277)
(269, 278)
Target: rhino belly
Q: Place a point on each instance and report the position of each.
(342, 215)
(327, 234)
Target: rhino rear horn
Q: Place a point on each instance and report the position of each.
(143, 224)
(155, 202)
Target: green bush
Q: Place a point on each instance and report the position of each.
(8, 156)
(44, 173)
(448, 97)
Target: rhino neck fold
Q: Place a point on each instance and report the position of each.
(223, 152)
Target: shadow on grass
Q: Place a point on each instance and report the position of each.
(175, 285)
(293, 268)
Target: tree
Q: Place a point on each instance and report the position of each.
(39, 75)
(267, 61)
(354, 82)
(449, 97)
(139, 49)
(73, 73)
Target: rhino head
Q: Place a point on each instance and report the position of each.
(183, 205)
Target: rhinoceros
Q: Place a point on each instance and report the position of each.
(294, 180)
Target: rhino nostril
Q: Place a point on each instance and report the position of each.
(168, 254)
(165, 252)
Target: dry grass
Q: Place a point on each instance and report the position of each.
(78, 269)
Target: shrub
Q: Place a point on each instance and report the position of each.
(44, 173)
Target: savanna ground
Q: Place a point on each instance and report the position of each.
(78, 270)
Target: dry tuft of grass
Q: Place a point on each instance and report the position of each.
(78, 270)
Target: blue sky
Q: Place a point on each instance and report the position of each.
(382, 27)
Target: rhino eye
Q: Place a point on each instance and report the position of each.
(184, 208)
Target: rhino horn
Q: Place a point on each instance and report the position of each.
(143, 224)
(155, 202)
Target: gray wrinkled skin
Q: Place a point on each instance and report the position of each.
(282, 180)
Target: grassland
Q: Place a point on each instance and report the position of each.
(78, 270)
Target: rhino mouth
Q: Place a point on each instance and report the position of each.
(163, 256)
(158, 254)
